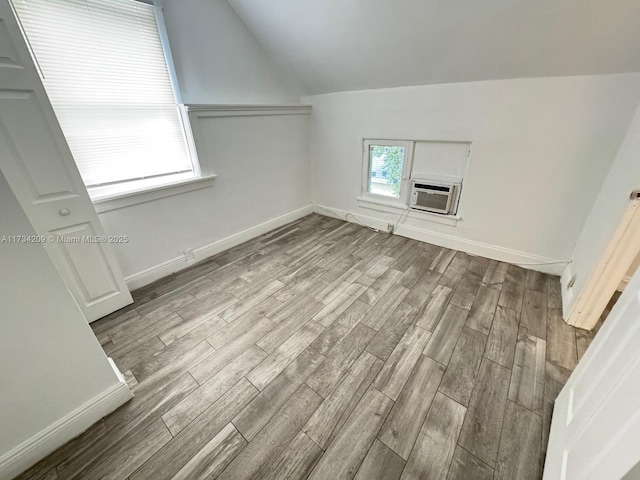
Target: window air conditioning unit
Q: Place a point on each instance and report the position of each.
(436, 197)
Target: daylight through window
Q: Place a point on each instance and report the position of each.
(105, 72)
(385, 170)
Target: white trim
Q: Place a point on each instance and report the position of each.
(120, 200)
(394, 208)
(612, 266)
(166, 47)
(204, 111)
(191, 142)
(41, 444)
(527, 260)
(173, 265)
(158, 10)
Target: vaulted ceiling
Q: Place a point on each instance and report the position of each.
(336, 45)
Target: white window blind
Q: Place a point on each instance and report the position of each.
(106, 75)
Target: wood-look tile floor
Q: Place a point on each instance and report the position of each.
(324, 350)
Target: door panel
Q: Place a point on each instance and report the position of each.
(82, 259)
(37, 163)
(43, 168)
(595, 431)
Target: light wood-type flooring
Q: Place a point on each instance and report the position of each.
(327, 351)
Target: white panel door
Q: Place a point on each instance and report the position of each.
(595, 431)
(37, 163)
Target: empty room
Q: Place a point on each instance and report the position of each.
(332, 240)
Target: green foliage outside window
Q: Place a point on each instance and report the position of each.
(392, 160)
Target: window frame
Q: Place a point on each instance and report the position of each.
(407, 161)
(158, 6)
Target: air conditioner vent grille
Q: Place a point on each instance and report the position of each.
(434, 197)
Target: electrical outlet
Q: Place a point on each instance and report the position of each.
(189, 255)
(390, 227)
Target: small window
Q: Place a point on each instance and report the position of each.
(109, 78)
(386, 167)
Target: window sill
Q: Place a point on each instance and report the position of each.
(112, 201)
(399, 208)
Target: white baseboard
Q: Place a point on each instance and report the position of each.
(176, 264)
(40, 445)
(526, 260)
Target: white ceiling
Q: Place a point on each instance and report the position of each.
(336, 45)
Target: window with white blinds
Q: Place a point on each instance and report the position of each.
(106, 74)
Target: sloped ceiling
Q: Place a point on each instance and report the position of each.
(337, 45)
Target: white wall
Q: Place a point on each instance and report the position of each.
(263, 173)
(540, 149)
(50, 362)
(218, 60)
(607, 211)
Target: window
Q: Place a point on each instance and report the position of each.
(104, 68)
(387, 164)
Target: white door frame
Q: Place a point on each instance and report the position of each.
(611, 269)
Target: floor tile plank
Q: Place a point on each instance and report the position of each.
(501, 346)
(465, 293)
(381, 463)
(520, 447)
(483, 309)
(177, 453)
(213, 458)
(465, 466)
(200, 399)
(495, 274)
(340, 328)
(398, 367)
(338, 362)
(536, 281)
(402, 426)
(533, 319)
(296, 461)
(122, 458)
(207, 368)
(392, 331)
(483, 423)
(262, 408)
(561, 341)
(345, 454)
(431, 456)
(176, 349)
(276, 362)
(455, 271)
(288, 327)
(257, 457)
(527, 379)
(435, 307)
(462, 370)
(334, 411)
(442, 260)
(513, 288)
(384, 308)
(420, 294)
(445, 336)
